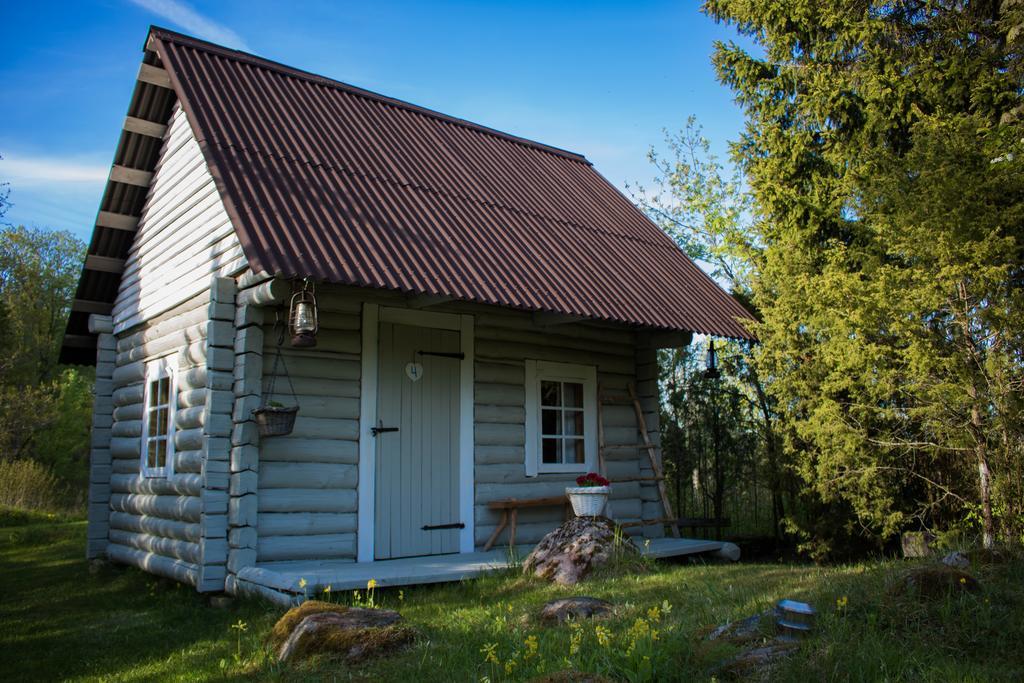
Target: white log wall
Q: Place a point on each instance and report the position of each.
(98, 528)
(504, 340)
(171, 300)
(295, 497)
(307, 481)
(184, 235)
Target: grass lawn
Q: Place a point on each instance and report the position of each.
(58, 621)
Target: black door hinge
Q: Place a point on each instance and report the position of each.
(438, 527)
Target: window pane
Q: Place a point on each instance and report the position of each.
(165, 390)
(154, 392)
(154, 419)
(550, 394)
(161, 421)
(573, 422)
(573, 394)
(550, 421)
(575, 451)
(151, 455)
(161, 453)
(550, 448)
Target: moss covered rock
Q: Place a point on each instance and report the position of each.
(353, 633)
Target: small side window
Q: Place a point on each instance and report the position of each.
(160, 399)
(561, 417)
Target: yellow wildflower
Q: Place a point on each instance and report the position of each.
(303, 583)
(240, 626)
(532, 645)
(401, 596)
(654, 614)
(574, 641)
(327, 589)
(654, 634)
(603, 635)
(489, 650)
(963, 581)
(666, 607)
(841, 602)
(371, 584)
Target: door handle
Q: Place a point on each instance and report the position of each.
(381, 429)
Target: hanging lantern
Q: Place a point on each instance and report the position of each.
(303, 321)
(711, 362)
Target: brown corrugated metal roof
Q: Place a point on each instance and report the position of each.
(325, 180)
(334, 182)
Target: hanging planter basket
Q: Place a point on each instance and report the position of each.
(275, 420)
(272, 418)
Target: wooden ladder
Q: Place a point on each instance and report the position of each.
(652, 455)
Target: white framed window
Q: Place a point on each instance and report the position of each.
(561, 417)
(160, 400)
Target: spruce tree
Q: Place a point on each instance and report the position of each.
(884, 147)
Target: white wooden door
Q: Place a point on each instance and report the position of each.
(417, 465)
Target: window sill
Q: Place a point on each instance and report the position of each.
(576, 469)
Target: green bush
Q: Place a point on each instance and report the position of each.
(29, 485)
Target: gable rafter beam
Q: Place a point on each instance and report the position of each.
(154, 75)
(139, 126)
(117, 221)
(130, 176)
(87, 306)
(80, 341)
(104, 264)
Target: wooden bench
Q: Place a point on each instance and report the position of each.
(509, 514)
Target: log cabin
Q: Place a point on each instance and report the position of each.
(485, 313)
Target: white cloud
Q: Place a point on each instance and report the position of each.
(28, 170)
(192, 21)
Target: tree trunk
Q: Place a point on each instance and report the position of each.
(772, 452)
(988, 536)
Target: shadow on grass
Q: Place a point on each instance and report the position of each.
(61, 621)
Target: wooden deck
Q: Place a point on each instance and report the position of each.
(281, 582)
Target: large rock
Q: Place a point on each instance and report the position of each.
(956, 560)
(354, 633)
(573, 550)
(917, 543)
(576, 609)
(754, 627)
(934, 582)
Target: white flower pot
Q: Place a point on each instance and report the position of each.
(588, 501)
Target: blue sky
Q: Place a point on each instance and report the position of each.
(598, 78)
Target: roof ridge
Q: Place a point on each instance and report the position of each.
(255, 60)
(445, 193)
